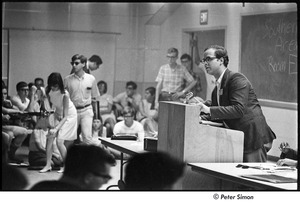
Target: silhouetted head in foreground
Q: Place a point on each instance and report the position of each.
(153, 171)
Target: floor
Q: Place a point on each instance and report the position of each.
(34, 176)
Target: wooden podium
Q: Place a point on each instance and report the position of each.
(181, 135)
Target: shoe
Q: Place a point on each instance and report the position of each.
(44, 170)
(62, 169)
(15, 160)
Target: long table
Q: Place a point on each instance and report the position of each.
(124, 146)
(229, 172)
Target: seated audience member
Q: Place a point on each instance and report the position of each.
(106, 112)
(148, 114)
(37, 151)
(153, 171)
(21, 99)
(98, 130)
(36, 95)
(6, 102)
(93, 63)
(128, 98)
(39, 82)
(40, 85)
(288, 156)
(25, 101)
(15, 135)
(129, 125)
(87, 167)
(13, 179)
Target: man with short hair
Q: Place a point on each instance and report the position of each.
(21, 100)
(171, 78)
(128, 98)
(235, 103)
(129, 125)
(93, 63)
(39, 82)
(84, 93)
(87, 167)
(198, 74)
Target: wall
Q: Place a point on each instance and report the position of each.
(141, 47)
(120, 19)
(284, 122)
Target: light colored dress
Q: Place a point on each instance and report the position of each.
(69, 130)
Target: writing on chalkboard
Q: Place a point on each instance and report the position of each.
(275, 33)
(269, 55)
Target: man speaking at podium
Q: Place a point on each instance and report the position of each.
(234, 102)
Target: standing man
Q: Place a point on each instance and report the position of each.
(171, 78)
(93, 63)
(235, 103)
(210, 82)
(198, 74)
(84, 94)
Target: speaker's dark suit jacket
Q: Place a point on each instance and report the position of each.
(240, 110)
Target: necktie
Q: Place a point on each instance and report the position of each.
(218, 92)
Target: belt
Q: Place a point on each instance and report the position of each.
(82, 107)
(165, 92)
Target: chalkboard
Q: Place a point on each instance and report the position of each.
(269, 55)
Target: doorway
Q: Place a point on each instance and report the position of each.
(205, 38)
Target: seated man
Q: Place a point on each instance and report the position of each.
(21, 99)
(87, 167)
(128, 98)
(25, 101)
(14, 135)
(153, 171)
(128, 125)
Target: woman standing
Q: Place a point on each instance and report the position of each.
(65, 118)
